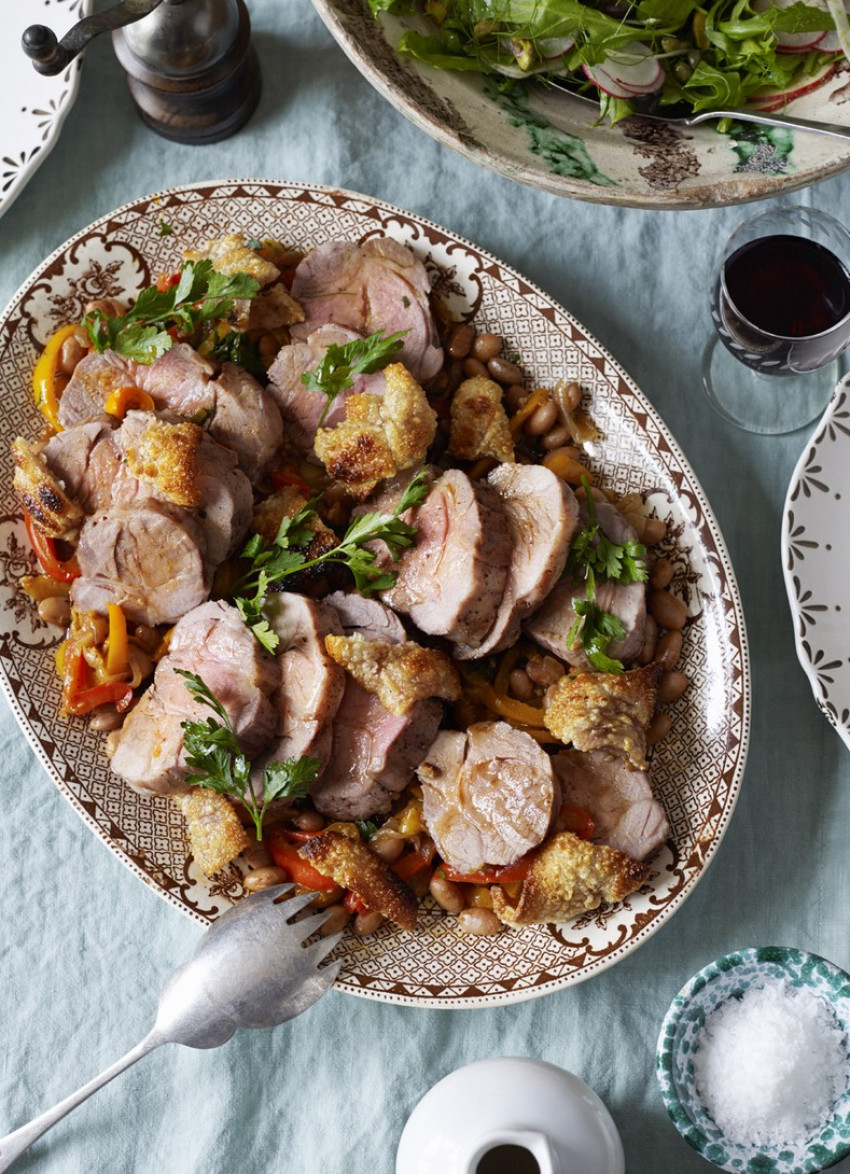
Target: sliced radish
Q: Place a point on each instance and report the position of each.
(799, 42)
(630, 73)
(776, 99)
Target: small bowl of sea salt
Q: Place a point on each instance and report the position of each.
(754, 1062)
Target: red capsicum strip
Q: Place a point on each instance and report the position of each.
(44, 549)
(284, 852)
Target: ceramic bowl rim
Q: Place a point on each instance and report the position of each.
(676, 1108)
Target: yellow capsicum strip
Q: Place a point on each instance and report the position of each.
(44, 376)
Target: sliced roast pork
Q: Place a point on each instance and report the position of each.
(86, 459)
(368, 618)
(311, 684)
(300, 408)
(182, 465)
(213, 642)
(246, 420)
(95, 377)
(379, 285)
(374, 752)
(488, 796)
(551, 624)
(541, 512)
(178, 381)
(625, 813)
(451, 582)
(150, 561)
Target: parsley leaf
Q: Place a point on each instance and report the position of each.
(595, 629)
(237, 347)
(592, 550)
(272, 562)
(592, 555)
(217, 762)
(165, 228)
(366, 828)
(199, 295)
(340, 365)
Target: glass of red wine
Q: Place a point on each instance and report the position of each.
(781, 311)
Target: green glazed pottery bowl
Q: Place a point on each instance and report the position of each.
(682, 1032)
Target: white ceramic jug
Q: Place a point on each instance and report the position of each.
(510, 1116)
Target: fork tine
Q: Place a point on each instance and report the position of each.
(321, 949)
(305, 927)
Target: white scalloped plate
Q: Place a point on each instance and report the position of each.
(816, 559)
(697, 769)
(34, 107)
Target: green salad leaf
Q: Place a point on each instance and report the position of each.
(714, 54)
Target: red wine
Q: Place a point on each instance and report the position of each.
(779, 303)
(788, 285)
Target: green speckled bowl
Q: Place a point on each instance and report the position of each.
(727, 978)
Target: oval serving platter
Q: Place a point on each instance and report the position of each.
(816, 560)
(544, 137)
(696, 770)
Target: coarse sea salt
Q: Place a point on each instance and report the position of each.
(771, 1065)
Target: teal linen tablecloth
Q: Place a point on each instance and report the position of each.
(84, 947)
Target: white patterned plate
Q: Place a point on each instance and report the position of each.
(33, 107)
(816, 559)
(544, 137)
(697, 769)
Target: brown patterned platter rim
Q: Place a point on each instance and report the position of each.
(697, 769)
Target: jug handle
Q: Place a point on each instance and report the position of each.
(50, 56)
(532, 1140)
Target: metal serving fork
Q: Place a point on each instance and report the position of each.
(251, 969)
(675, 118)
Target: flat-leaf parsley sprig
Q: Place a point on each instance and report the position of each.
(272, 562)
(217, 762)
(199, 295)
(341, 364)
(593, 555)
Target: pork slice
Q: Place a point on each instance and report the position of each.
(374, 754)
(228, 500)
(541, 513)
(246, 420)
(626, 814)
(488, 796)
(213, 642)
(95, 377)
(451, 582)
(379, 285)
(311, 683)
(85, 458)
(178, 381)
(368, 618)
(551, 624)
(150, 560)
(301, 409)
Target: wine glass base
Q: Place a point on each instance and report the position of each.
(770, 405)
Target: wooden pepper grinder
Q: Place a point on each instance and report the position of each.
(191, 68)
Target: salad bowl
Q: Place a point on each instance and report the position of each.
(544, 136)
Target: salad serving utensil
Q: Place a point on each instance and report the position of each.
(251, 969)
(678, 116)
